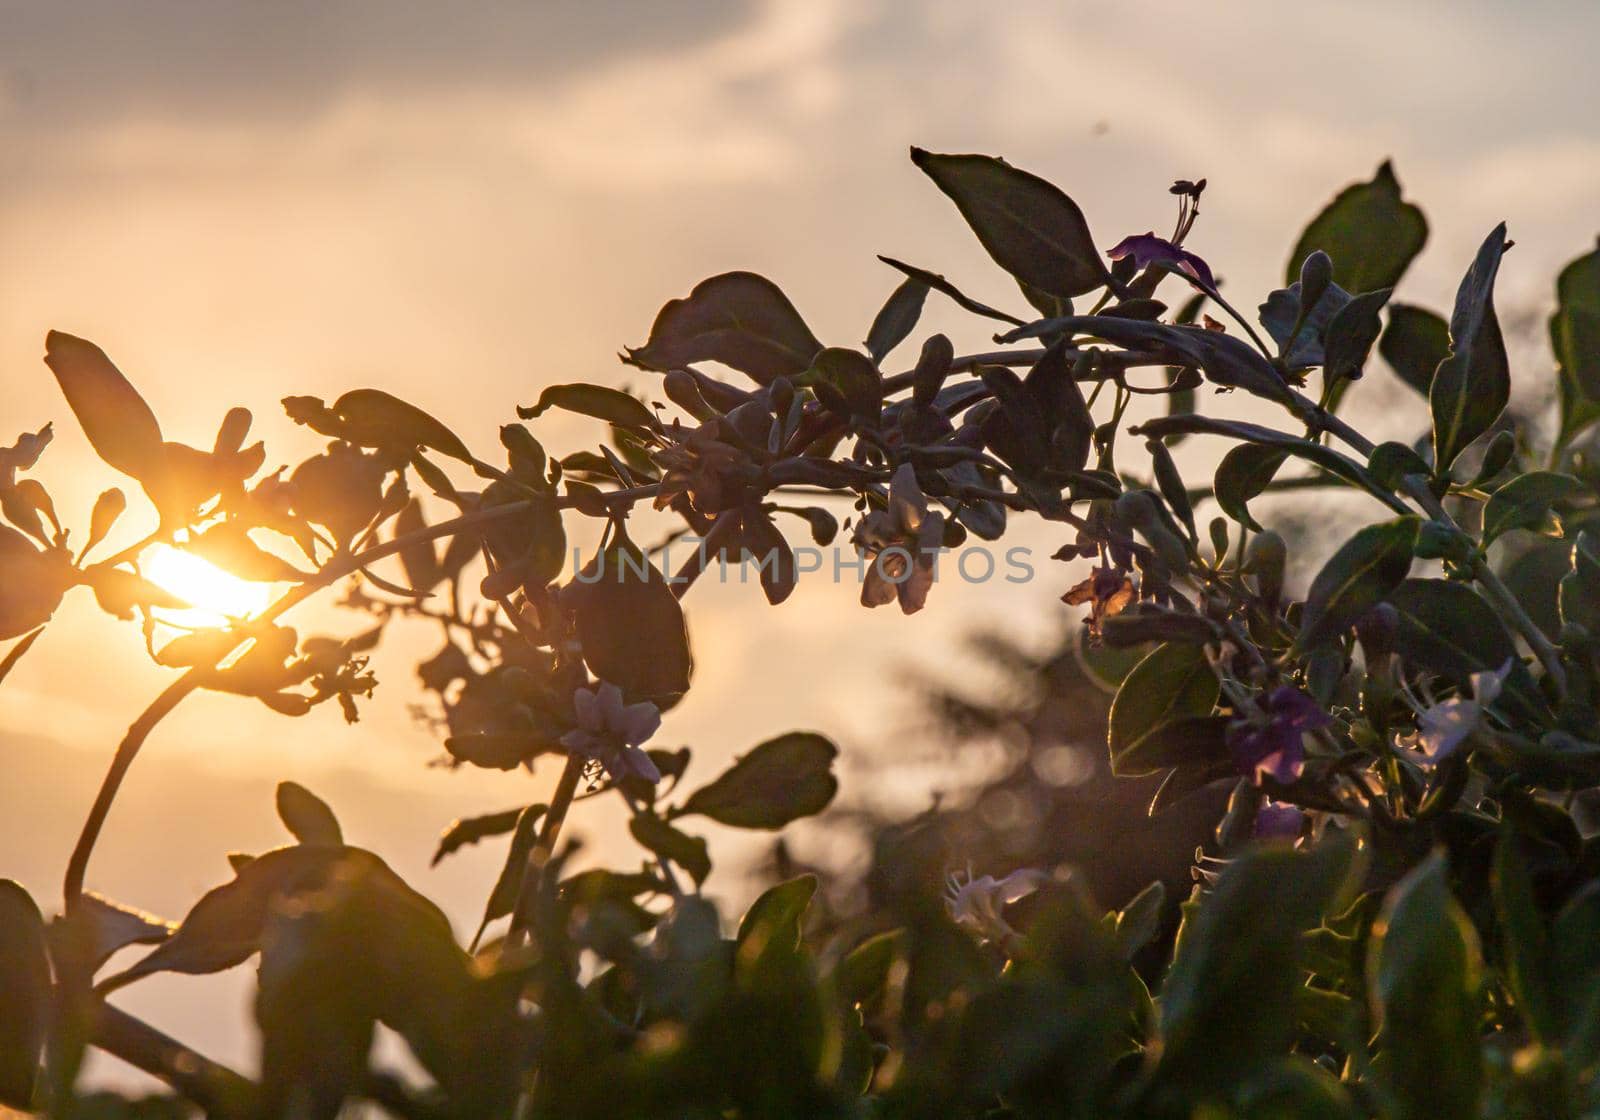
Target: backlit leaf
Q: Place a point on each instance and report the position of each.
(781, 780)
(739, 319)
(115, 418)
(1472, 385)
(1369, 231)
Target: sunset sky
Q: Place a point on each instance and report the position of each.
(461, 203)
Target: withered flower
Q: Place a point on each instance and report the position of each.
(1108, 591)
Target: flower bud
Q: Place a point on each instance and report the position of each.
(1266, 559)
(933, 366)
(1315, 276)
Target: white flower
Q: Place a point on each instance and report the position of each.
(901, 544)
(611, 733)
(977, 903)
(1443, 727)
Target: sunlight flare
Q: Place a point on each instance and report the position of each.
(215, 594)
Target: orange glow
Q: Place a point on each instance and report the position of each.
(216, 595)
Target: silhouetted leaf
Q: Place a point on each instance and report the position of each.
(897, 318)
(611, 405)
(1422, 973)
(779, 781)
(1472, 385)
(1365, 569)
(1351, 333)
(26, 1007)
(939, 284)
(115, 418)
(1246, 471)
(772, 555)
(1575, 339)
(307, 816)
(1371, 234)
(1172, 683)
(100, 928)
(503, 898)
(739, 319)
(229, 547)
(847, 382)
(631, 625)
(378, 419)
(1414, 343)
(1030, 228)
(15, 653)
(33, 585)
(470, 830)
(688, 852)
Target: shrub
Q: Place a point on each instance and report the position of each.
(1401, 915)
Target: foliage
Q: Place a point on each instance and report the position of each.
(1399, 912)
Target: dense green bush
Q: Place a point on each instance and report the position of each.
(1399, 915)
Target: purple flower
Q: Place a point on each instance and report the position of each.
(1278, 820)
(1147, 249)
(1270, 743)
(610, 732)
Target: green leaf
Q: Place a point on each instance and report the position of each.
(1030, 228)
(611, 405)
(1244, 473)
(1579, 592)
(781, 780)
(115, 418)
(1184, 741)
(847, 382)
(778, 911)
(1575, 940)
(739, 319)
(374, 418)
(1422, 974)
(1414, 343)
(307, 816)
(1525, 942)
(26, 1008)
(1525, 502)
(469, 830)
(1472, 385)
(1575, 339)
(1390, 462)
(897, 318)
(1365, 569)
(1447, 628)
(864, 971)
(1139, 922)
(631, 624)
(1228, 1003)
(1371, 234)
(667, 842)
(1173, 682)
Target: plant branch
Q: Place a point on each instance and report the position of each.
(1417, 489)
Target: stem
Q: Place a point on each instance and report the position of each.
(127, 750)
(1418, 491)
(214, 1087)
(567, 784)
(335, 570)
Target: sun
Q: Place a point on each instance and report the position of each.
(216, 595)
